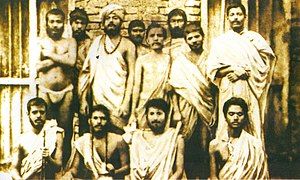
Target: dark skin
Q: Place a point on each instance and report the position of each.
(117, 149)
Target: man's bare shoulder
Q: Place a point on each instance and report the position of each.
(213, 145)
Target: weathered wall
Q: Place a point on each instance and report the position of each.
(154, 10)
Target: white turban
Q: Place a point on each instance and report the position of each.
(112, 8)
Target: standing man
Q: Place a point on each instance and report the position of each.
(151, 75)
(136, 32)
(103, 154)
(57, 57)
(241, 64)
(39, 152)
(240, 155)
(107, 73)
(195, 99)
(79, 21)
(177, 21)
(157, 153)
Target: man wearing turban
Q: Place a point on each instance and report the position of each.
(107, 73)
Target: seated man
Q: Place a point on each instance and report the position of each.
(39, 153)
(240, 155)
(104, 154)
(157, 153)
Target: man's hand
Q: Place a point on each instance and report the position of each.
(123, 110)
(46, 53)
(111, 169)
(232, 77)
(45, 152)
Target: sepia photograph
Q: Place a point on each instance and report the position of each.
(149, 89)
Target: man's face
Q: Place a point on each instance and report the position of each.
(78, 28)
(98, 121)
(155, 39)
(137, 35)
(194, 40)
(112, 24)
(235, 116)
(156, 119)
(176, 26)
(236, 18)
(55, 26)
(37, 116)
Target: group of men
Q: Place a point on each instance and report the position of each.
(142, 101)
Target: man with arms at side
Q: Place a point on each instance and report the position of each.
(158, 152)
(151, 75)
(240, 155)
(108, 71)
(102, 153)
(39, 152)
(57, 57)
(241, 64)
(136, 32)
(196, 102)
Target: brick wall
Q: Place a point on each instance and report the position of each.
(146, 10)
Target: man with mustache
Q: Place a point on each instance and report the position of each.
(240, 155)
(39, 151)
(56, 60)
(241, 64)
(177, 21)
(136, 32)
(195, 99)
(157, 152)
(103, 154)
(107, 73)
(151, 75)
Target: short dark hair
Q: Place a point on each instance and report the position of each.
(37, 101)
(135, 23)
(235, 101)
(177, 12)
(55, 12)
(101, 108)
(78, 13)
(236, 5)
(158, 103)
(156, 25)
(193, 27)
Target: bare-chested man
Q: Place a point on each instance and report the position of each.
(151, 74)
(157, 153)
(107, 73)
(103, 154)
(39, 152)
(136, 32)
(57, 57)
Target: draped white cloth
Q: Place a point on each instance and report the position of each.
(248, 52)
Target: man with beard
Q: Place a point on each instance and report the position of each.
(151, 75)
(240, 155)
(103, 154)
(57, 57)
(136, 32)
(241, 64)
(79, 21)
(107, 73)
(177, 21)
(158, 152)
(38, 154)
(195, 99)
